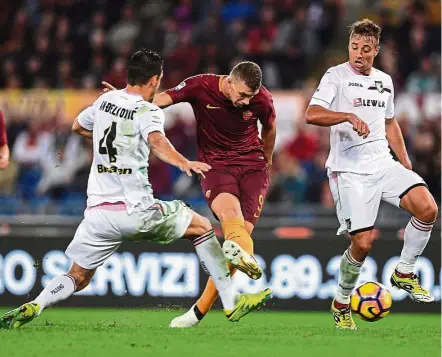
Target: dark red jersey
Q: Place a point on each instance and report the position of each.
(226, 135)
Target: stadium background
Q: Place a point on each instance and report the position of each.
(54, 54)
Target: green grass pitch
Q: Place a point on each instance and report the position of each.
(119, 332)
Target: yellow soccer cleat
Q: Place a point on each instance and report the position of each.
(247, 303)
(20, 316)
(241, 260)
(343, 318)
(412, 286)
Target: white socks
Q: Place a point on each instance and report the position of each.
(214, 263)
(349, 271)
(417, 235)
(59, 288)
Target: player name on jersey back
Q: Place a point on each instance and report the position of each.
(118, 111)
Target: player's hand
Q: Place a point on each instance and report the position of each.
(407, 163)
(359, 126)
(195, 166)
(3, 163)
(107, 87)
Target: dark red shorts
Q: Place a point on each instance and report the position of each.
(248, 184)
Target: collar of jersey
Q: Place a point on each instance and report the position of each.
(356, 72)
(130, 93)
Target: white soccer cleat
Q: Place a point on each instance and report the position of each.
(241, 260)
(186, 320)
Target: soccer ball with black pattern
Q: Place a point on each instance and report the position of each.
(371, 301)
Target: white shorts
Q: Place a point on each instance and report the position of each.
(357, 196)
(105, 227)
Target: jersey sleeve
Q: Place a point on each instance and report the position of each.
(3, 136)
(389, 113)
(327, 89)
(186, 90)
(269, 114)
(150, 120)
(86, 118)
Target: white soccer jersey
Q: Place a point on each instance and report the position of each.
(121, 122)
(342, 89)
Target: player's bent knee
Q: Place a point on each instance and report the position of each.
(362, 245)
(428, 212)
(205, 225)
(198, 226)
(226, 206)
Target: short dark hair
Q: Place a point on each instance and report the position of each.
(143, 65)
(249, 73)
(366, 27)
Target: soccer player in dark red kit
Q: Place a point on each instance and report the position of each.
(227, 110)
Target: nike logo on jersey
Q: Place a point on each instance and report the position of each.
(212, 107)
(117, 111)
(360, 102)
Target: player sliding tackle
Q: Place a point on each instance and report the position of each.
(356, 101)
(227, 110)
(125, 126)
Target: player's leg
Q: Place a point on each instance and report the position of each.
(174, 220)
(213, 261)
(407, 190)
(253, 185)
(60, 288)
(210, 293)
(95, 240)
(221, 189)
(63, 286)
(238, 245)
(357, 199)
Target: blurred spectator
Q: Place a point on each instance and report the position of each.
(289, 182)
(117, 74)
(241, 9)
(126, 30)
(30, 150)
(425, 80)
(261, 37)
(64, 158)
(426, 148)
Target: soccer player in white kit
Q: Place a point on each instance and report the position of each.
(356, 101)
(124, 126)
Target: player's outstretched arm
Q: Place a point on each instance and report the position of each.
(396, 142)
(165, 151)
(162, 100)
(317, 115)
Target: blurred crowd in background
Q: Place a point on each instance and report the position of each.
(67, 44)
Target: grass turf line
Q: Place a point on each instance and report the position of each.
(92, 332)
